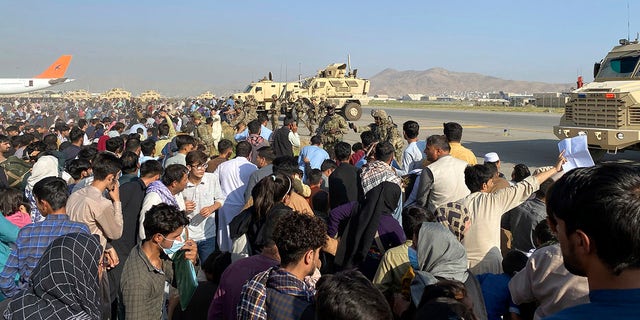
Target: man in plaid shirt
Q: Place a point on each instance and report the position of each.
(51, 195)
(281, 292)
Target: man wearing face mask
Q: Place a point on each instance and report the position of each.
(149, 270)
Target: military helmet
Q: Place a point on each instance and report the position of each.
(379, 114)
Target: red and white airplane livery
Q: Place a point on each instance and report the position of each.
(54, 75)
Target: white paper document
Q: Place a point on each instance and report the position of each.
(576, 152)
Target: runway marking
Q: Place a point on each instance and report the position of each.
(485, 127)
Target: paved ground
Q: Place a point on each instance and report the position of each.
(516, 137)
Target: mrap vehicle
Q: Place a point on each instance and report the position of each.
(607, 110)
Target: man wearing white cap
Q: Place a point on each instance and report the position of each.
(499, 182)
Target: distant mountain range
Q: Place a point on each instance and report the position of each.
(437, 81)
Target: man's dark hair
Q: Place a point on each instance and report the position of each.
(544, 188)
(357, 147)
(254, 126)
(384, 151)
(163, 129)
(411, 129)
(297, 233)
(129, 162)
(81, 123)
(262, 118)
(368, 138)
(224, 145)
(53, 190)
(76, 134)
(4, 138)
(514, 261)
(267, 153)
(287, 121)
(287, 165)
(243, 149)
(196, 157)
(88, 153)
(163, 219)
(150, 168)
(439, 141)
(453, 131)
(105, 164)
(444, 308)
(349, 295)
(520, 171)
(314, 177)
(173, 172)
(133, 144)
(604, 202)
(75, 167)
(413, 217)
(51, 140)
(342, 150)
(316, 140)
(542, 234)
(147, 147)
(183, 140)
(11, 128)
(477, 175)
(328, 164)
(118, 126)
(115, 144)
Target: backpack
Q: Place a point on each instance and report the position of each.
(15, 169)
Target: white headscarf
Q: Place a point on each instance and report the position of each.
(46, 166)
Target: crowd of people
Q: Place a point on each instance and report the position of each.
(181, 210)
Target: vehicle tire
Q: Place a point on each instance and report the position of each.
(597, 154)
(352, 111)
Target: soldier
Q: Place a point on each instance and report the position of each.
(303, 112)
(312, 114)
(332, 129)
(385, 130)
(251, 109)
(275, 112)
(204, 132)
(240, 116)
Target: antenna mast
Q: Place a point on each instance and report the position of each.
(628, 23)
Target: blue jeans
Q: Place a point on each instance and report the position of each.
(205, 248)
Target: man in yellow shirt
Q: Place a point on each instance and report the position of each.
(453, 132)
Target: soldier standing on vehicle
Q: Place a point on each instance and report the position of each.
(332, 129)
(275, 112)
(384, 130)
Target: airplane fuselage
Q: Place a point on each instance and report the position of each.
(15, 86)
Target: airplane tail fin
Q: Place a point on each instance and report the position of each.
(57, 69)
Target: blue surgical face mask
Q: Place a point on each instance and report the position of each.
(413, 258)
(175, 246)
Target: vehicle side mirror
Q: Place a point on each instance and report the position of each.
(596, 69)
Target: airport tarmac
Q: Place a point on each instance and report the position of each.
(517, 137)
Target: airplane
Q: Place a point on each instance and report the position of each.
(54, 75)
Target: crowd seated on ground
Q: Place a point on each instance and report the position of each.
(123, 210)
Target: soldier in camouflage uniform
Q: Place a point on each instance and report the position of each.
(384, 130)
(204, 133)
(332, 129)
(304, 113)
(312, 114)
(275, 112)
(251, 109)
(240, 117)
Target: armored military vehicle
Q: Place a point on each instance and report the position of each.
(607, 110)
(333, 84)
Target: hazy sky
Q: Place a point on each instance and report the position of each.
(187, 47)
